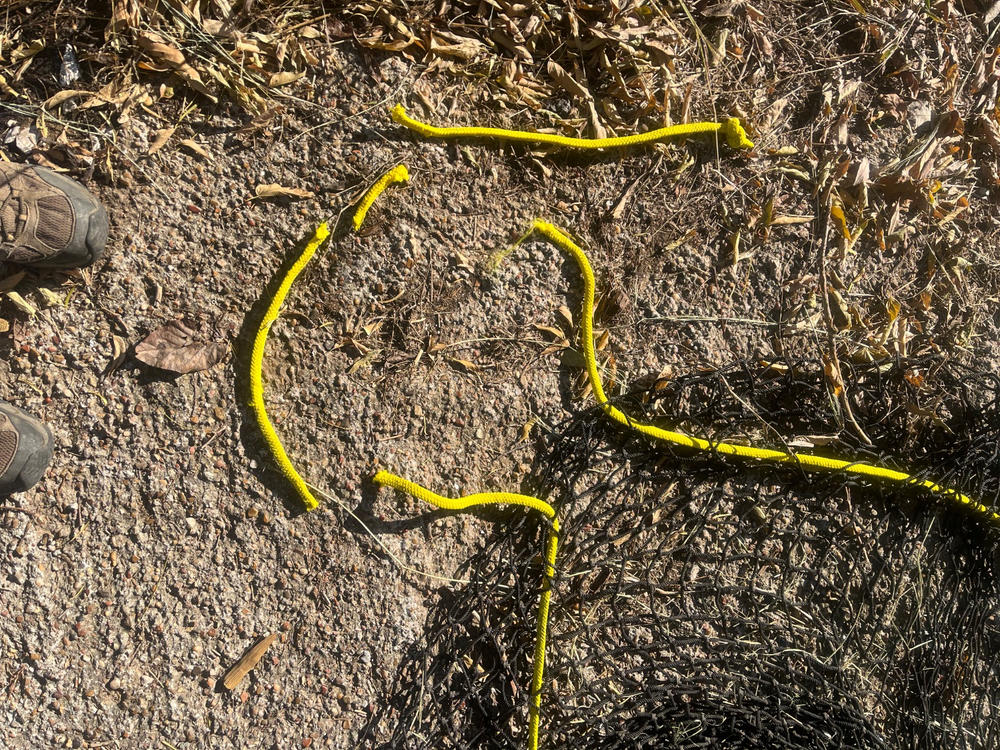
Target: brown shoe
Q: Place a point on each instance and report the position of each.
(25, 449)
(47, 219)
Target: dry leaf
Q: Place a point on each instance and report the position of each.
(21, 303)
(162, 136)
(174, 347)
(790, 219)
(64, 96)
(167, 55)
(551, 330)
(158, 49)
(833, 376)
(526, 430)
(602, 340)
(119, 350)
(464, 364)
(125, 15)
(51, 298)
(566, 316)
(283, 79)
(839, 310)
(566, 82)
(195, 147)
(274, 190)
(462, 48)
(838, 215)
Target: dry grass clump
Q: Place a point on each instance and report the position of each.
(76, 74)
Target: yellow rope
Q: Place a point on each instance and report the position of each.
(733, 131)
(281, 458)
(398, 173)
(386, 479)
(256, 367)
(808, 461)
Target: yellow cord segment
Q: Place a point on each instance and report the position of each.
(256, 366)
(412, 489)
(807, 461)
(398, 173)
(731, 129)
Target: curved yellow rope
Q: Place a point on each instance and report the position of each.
(807, 461)
(731, 128)
(398, 173)
(257, 362)
(412, 489)
(260, 340)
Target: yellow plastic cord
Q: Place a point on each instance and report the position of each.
(733, 131)
(256, 366)
(807, 461)
(412, 489)
(398, 173)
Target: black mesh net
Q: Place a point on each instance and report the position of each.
(704, 601)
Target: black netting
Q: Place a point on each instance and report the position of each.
(705, 601)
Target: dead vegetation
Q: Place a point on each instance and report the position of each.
(877, 126)
(76, 75)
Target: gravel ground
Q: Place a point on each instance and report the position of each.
(161, 544)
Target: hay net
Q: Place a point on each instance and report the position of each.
(703, 601)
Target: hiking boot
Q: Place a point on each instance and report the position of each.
(48, 220)
(25, 449)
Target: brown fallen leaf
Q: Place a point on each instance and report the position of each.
(790, 219)
(64, 96)
(285, 78)
(174, 347)
(833, 376)
(119, 351)
(21, 303)
(567, 316)
(526, 429)
(551, 330)
(51, 298)
(160, 50)
(838, 310)
(274, 190)
(162, 136)
(124, 16)
(247, 662)
(195, 147)
(464, 364)
(841, 220)
(567, 82)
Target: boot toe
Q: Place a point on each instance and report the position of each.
(97, 234)
(32, 454)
